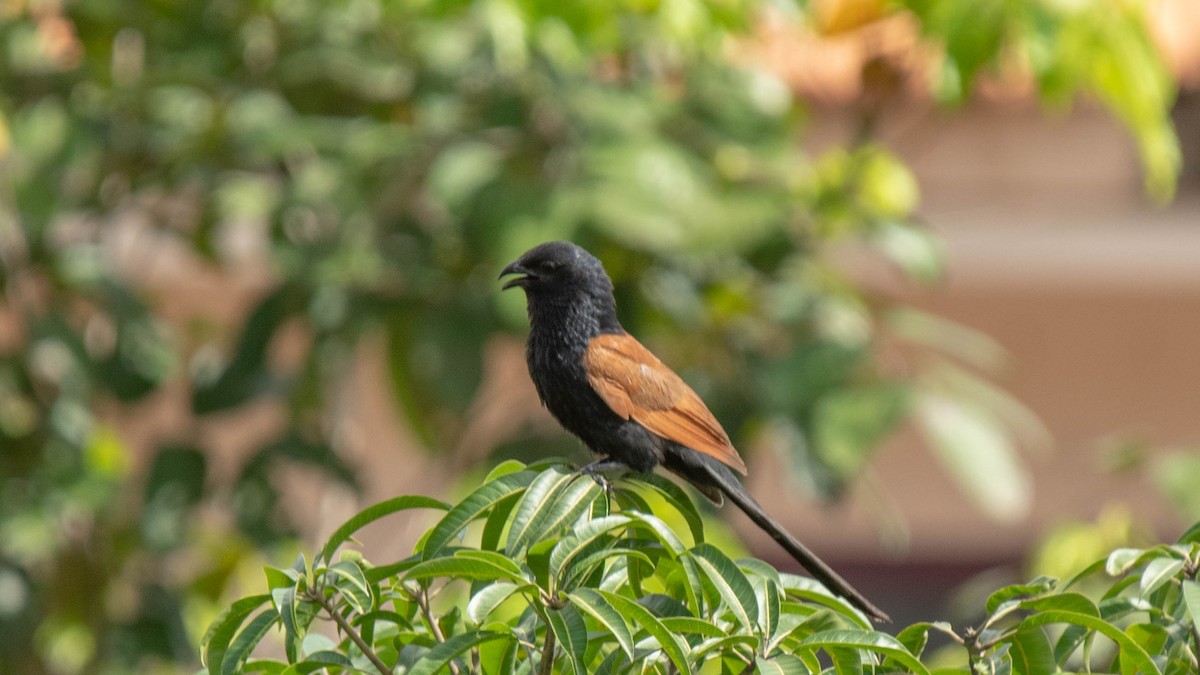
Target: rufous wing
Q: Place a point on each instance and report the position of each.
(637, 386)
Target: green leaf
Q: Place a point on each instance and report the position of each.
(318, 661)
(473, 565)
(727, 644)
(483, 603)
(538, 499)
(668, 642)
(592, 603)
(874, 641)
(558, 506)
(1122, 560)
(782, 664)
(1158, 572)
(1069, 602)
(285, 606)
(265, 666)
(475, 505)
(767, 597)
(246, 641)
(578, 541)
(1191, 600)
(1036, 587)
(1031, 653)
(442, 654)
(373, 513)
(215, 642)
(356, 589)
(693, 626)
(1132, 654)
(729, 581)
(572, 635)
(677, 498)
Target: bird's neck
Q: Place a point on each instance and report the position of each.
(567, 319)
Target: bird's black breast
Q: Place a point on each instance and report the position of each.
(557, 370)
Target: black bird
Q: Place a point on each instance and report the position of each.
(603, 386)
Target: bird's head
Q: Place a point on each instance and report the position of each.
(556, 267)
(558, 275)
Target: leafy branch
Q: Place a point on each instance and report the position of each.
(625, 581)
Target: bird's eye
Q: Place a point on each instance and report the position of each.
(551, 265)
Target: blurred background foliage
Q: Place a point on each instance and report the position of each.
(378, 162)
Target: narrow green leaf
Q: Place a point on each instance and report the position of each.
(668, 642)
(571, 545)
(442, 654)
(766, 593)
(586, 564)
(692, 626)
(474, 565)
(570, 504)
(1191, 600)
(537, 500)
(477, 503)
(285, 605)
(278, 577)
(483, 603)
(246, 641)
(373, 513)
(592, 603)
(783, 664)
(319, 661)
(729, 581)
(497, 522)
(501, 660)
(215, 642)
(265, 666)
(355, 587)
(915, 637)
(1031, 653)
(1069, 602)
(503, 469)
(381, 615)
(873, 641)
(726, 645)
(660, 530)
(1036, 587)
(1122, 560)
(677, 498)
(572, 635)
(1132, 653)
(1158, 572)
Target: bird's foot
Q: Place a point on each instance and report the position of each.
(596, 469)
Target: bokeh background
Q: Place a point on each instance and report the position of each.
(934, 264)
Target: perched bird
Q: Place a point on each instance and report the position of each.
(606, 388)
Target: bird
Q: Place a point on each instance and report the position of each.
(626, 405)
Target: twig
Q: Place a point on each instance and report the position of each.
(422, 600)
(318, 596)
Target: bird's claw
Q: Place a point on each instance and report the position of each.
(601, 480)
(595, 471)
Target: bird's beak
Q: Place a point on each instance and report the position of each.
(515, 267)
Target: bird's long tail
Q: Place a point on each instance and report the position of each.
(815, 566)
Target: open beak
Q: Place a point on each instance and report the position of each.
(515, 267)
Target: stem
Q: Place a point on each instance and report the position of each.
(343, 625)
(422, 600)
(547, 665)
(971, 642)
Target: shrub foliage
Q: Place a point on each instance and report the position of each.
(542, 569)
